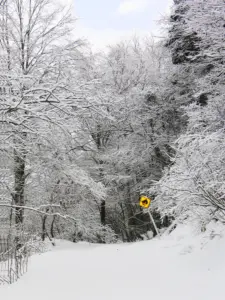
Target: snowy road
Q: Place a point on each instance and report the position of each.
(174, 267)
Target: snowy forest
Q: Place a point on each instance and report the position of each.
(84, 133)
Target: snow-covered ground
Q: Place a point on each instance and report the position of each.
(180, 266)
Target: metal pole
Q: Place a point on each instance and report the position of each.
(153, 222)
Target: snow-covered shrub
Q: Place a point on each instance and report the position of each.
(92, 233)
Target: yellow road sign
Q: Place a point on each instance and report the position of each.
(145, 201)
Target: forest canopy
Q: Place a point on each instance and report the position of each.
(84, 134)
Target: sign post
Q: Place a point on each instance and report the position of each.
(145, 203)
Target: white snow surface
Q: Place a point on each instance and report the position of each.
(180, 266)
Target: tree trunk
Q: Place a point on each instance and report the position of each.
(44, 232)
(52, 227)
(102, 212)
(19, 173)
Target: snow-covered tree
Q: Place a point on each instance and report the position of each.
(41, 102)
(194, 183)
(131, 138)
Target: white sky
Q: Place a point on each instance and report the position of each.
(132, 6)
(105, 22)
